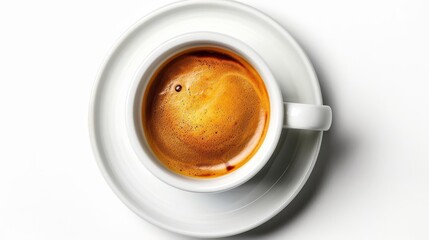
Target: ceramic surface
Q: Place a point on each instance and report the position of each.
(198, 214)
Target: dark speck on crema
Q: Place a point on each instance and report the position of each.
(178, 88)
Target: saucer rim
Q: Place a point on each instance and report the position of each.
(93, 110)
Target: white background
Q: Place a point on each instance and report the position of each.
(372, 177)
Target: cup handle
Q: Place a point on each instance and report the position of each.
(307, 116)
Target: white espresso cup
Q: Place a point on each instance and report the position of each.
(282, 114)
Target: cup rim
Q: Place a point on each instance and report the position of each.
(136, 133)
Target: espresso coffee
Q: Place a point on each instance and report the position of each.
(205, 112)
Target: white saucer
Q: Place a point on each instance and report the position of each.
(203, 215)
